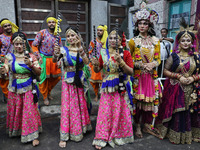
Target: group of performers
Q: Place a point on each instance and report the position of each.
(128, 78)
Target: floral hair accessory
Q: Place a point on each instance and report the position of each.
(146, 13)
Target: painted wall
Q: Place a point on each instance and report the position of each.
(98, 14)
(162, 8)
(7, 10)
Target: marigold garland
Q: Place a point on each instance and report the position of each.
(137, 72)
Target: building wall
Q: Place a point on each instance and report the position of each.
(162, 8)
(193, 11)
(8, 10)
(98, 14)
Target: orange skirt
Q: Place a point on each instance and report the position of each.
(4, 86)
(95, 77)
(49, 68)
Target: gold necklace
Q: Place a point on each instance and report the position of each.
(74, 49)
(184, 54)
(19, 55)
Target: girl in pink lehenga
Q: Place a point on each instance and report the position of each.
(114, 124)
(23, 117)
(75, 119)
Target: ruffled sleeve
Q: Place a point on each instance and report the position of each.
(128, 59)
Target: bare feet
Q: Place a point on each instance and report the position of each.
(62, 144)
(35, 142)
(50, 97)
(97, 147)
(46, 101)
(138, 132)
(96, 98)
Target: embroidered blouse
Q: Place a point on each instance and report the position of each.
(20, 80)
(5, 44)
(98, 48)
(44, 43)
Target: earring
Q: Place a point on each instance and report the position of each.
(179, 48)
(149, 30)
(136, 28)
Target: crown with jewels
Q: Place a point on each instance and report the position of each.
(146, 13)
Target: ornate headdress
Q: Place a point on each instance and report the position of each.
(146, 13)
(114, 32)
(70, 30)
(18, 39)
(187, 29)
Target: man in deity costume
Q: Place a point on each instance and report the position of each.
(6, 47)
(100, 42)
(145, 51)
(43, 48)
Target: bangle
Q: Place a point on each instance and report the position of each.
(84, 56)
(122, 64)
(82, 53)
(196, 77)
(179, 76)
(80, 48)
(32, 65)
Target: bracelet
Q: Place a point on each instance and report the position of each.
(82, 53)
(84, 56)
(79, 48)
(31, 66)
(196, 77)
(122, 64)
(179, 76)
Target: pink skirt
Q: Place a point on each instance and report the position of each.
(75, 120)
(23, 117)
(114, 124)
(146, 88)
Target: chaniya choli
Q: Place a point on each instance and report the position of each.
(114, 125)
(75, 119)
(23, 117)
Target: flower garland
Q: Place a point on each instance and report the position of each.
(137, 58)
